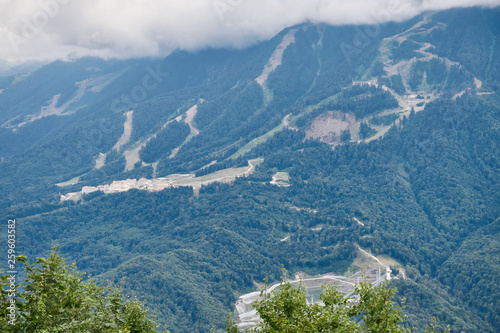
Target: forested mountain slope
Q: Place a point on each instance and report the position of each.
(384, 137)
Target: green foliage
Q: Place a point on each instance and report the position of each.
(364, 100)
(371, 309)
(394, 82)
(384, 120)
(434, 71)
(297, 72)
(474, 41)
(55, 297)
(427, 298)
(405, 50)
(162, 145)
(378, 69)
(345, 136)
(471, 270)
(365, 131)
(422, 191)
(436, 75)
(419, 191)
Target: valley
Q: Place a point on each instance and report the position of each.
(234, 164)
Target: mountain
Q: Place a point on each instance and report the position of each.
(199, 175)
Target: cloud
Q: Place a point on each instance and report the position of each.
(51, 29)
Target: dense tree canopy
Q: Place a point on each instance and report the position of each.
(425, 194)
(370, 310)
(56, 298)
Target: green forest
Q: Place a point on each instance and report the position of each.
(425, 192)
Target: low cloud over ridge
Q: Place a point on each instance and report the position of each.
(52, 29)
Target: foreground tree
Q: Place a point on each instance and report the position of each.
(370, 310)
(56, 298)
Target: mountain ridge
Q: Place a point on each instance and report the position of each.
(394, 148)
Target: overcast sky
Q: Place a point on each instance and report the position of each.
(51, 29)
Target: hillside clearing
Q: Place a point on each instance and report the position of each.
(281, 179)
(174, 180)
(127, 131)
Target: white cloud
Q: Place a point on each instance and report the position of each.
(50, 29)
